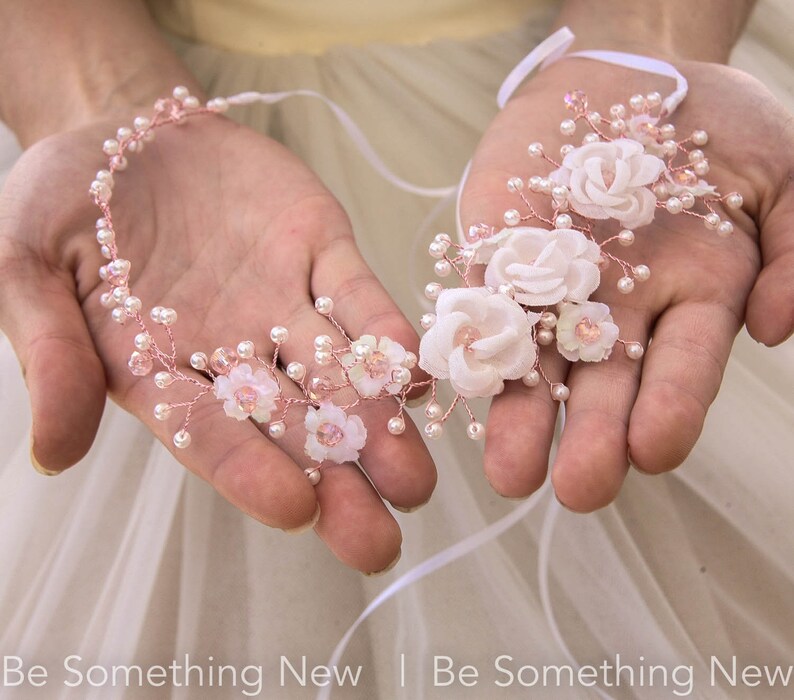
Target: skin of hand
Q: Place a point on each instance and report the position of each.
(237, 234)
(648, 413)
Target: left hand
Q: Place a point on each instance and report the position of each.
(703, 288)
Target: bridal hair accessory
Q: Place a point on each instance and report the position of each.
(541, 269)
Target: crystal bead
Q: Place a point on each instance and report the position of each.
(223, 360)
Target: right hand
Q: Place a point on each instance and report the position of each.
(233, 231)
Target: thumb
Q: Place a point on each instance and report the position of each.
(65, 378)
(770, 308)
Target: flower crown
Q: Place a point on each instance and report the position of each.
(539, 281)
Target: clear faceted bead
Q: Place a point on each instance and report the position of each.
(329, 434)
(223, 360)
(377, 365)
(140, 364)
(246, 398)
(587, 332)
(576, 101)
(466, 335)
(320, 388)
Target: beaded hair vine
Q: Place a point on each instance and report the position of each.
(538, 284)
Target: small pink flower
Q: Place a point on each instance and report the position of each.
(586, 332)
(332, 434)
(247, 393)
(370, 376)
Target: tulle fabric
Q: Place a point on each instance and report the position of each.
(128, 559)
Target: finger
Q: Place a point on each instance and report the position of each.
(251, 472)
(64, 376)
(681, 376)
(520, 432)
(592, 458)
(354, 523)
(770, 308)
(399, 465)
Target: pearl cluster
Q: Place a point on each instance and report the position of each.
(677, 191)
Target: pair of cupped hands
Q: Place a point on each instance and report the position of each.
(236, 233)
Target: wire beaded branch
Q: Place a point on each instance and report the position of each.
(538, 286)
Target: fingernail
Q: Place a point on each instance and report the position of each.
(306, 526)
(37, 465)
(410, 509)
(388, 568)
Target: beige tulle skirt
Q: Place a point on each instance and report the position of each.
(127, 559)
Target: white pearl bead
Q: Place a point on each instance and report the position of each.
(560, 192)
(123, 133)
(105, 176)
(568, 127)
(107, 300)
(548, 319)
(104, 236)
(701, 168)
(168, 317)
(279, 334)
(443, 238)
(362, 352)
(324, 342)
(595, 117)
(637, 102)
(515, 184)
(120, 162)
(432, 290)
(661, 192)
(725, 228)
(642, 273)
(218, 104)
(246, 349)
(276, 430)
(119, 316)
(654, 99)
(313, 474)
(670, 148)
(696, 155)
(667, 132)
(700, 137)
(563, 221)
(296, 371)
(401, 375)
(625, 285)
(545, 336)
(468, 254)
(163, 379)
(566, 149)
(433, 410)
(182, 439)
(590, 138)
(711, 221)
(531, 378)
(437, 250)
(410, 360)
(535, 150)
(427, 321)
(180, 92)
(154, 314)
(534, 183)
(141, 123)
(324, 305)
(110, 147)
(143, 341)
(674, 205)
(687, 200)
(475, 430)
(512, 217)
(102, 222)
(442, 268)
(734, 200)
(162, 411)
(198, 360)
(191, 102)
(560, 392)
(618, 110)
(617, 126)
(396, 425)
(434, 430)
(323, 357)
(121, 294)
(626, 237)
(634, 350)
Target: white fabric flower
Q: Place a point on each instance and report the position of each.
(332, 434)
(488, 245)
(586, 332)
(609, 180)
(545, 266)
(372, 375)
(247, 393)
(479, 340)
(686, 181)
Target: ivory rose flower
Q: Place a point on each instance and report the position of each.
(609, 180)
(545, 266)
(332, 434)
(247, 393)
(479, 340)
(586, 332)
